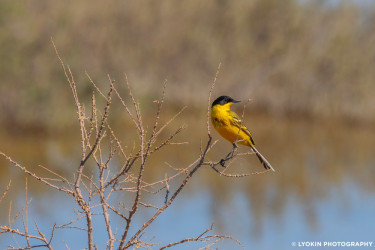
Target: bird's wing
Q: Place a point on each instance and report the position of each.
(236, 121)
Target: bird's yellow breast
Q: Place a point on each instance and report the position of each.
(222, 121)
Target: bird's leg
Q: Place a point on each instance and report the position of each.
(235, 142)
(230, 155)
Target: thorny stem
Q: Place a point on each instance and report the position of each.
(81, 187)
(104, 203)
(143, 161)
(185, 181)
(137, 197)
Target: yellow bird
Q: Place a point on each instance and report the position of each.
(229, 126)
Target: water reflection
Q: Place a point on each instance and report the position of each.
(316, 163)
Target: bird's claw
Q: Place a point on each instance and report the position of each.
(222, 163)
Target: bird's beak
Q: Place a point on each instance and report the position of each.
(234, 101)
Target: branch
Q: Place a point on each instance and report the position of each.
(43, 180)
(161, 210)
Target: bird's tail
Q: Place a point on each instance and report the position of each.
(263, 160)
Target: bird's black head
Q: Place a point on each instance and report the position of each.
(223, 100)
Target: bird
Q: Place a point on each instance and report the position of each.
(229, 125)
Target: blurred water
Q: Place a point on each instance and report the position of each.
(322, 189)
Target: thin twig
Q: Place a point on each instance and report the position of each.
(209, 98)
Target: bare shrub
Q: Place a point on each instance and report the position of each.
(95, 188)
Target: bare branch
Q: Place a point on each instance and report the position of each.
(203, 238)
(43, 180)
(118, 171)
(209, 98)
(161, 210)
(6, 191)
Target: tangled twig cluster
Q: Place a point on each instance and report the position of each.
(100, 146)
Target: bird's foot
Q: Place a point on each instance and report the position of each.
(222, 163)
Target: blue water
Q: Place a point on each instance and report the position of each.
(344, 214)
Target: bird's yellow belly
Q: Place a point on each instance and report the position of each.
(222, 123)
(232, 134)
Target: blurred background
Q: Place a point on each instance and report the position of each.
(307, 66)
